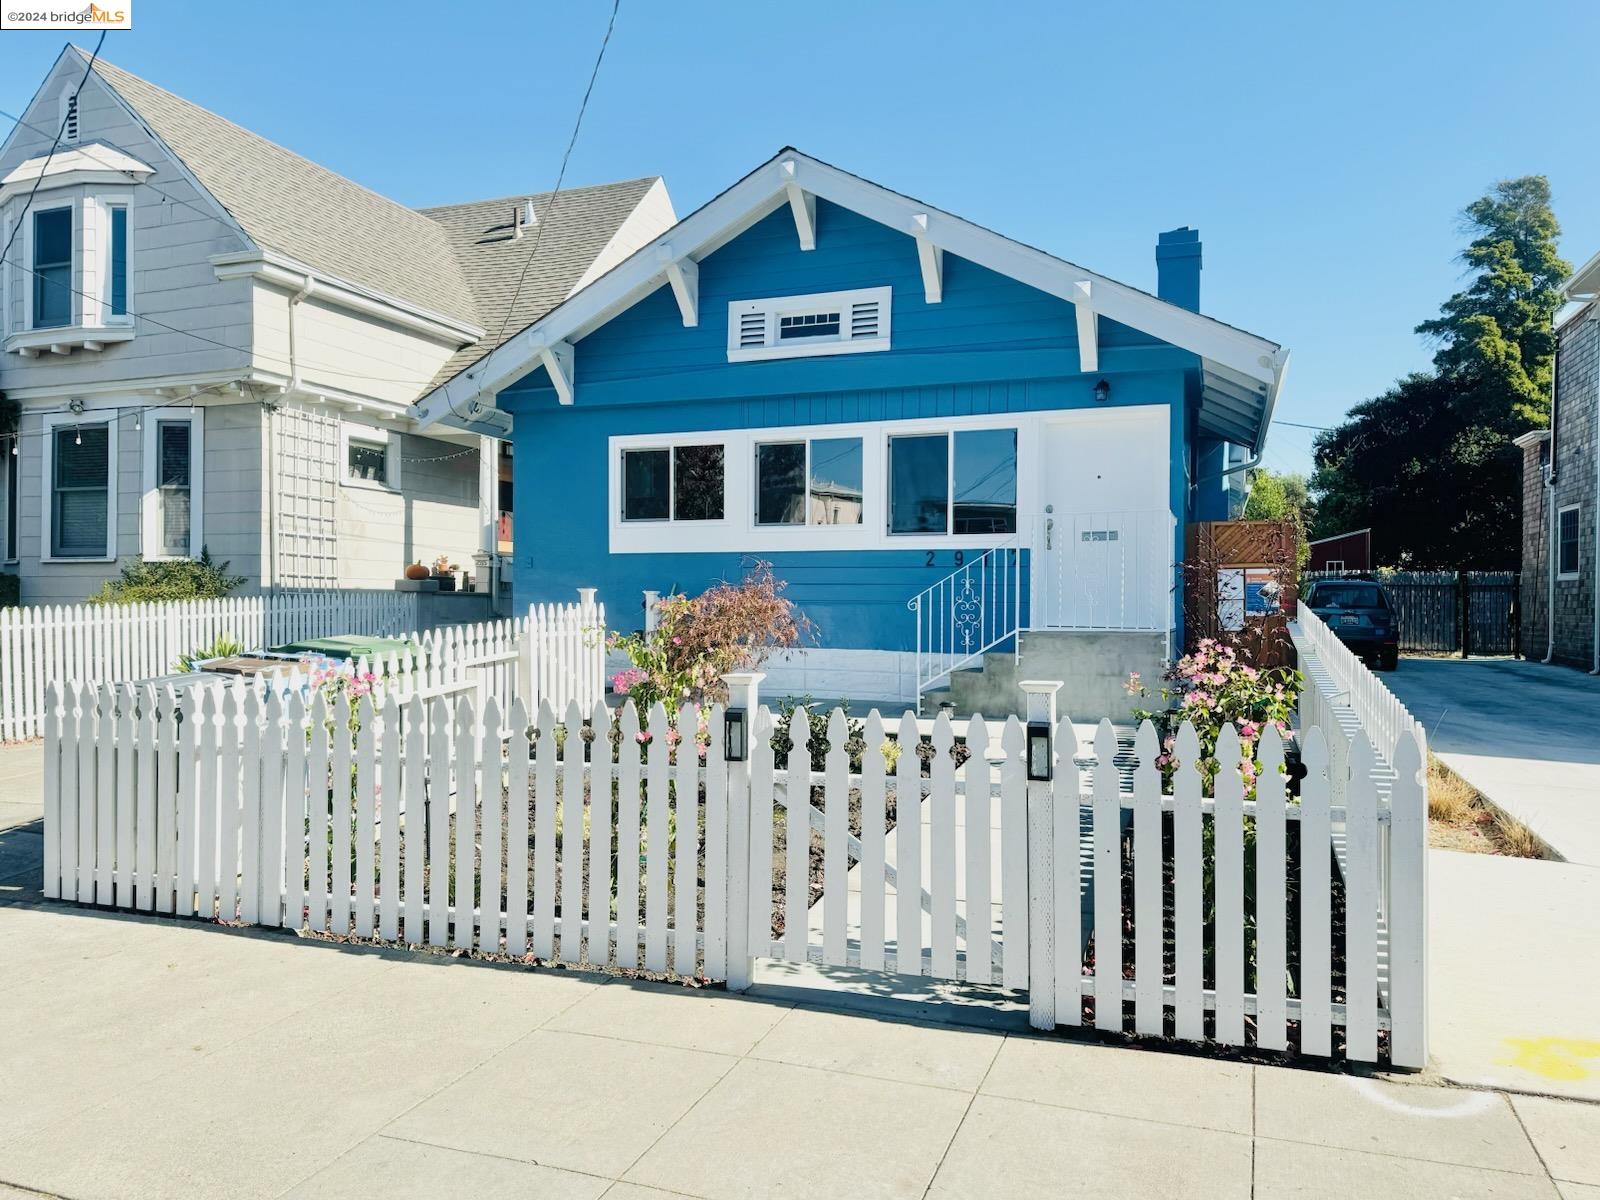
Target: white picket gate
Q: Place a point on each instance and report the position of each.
(441, 823)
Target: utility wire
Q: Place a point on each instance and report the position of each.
(550, 206)
(54, 144)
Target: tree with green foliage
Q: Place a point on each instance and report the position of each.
(177, 579)
(1429, 464)
(1286, 497)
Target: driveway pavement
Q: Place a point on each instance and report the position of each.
(1524, 734)
(156, 1058)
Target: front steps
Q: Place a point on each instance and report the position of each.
(1093, 666)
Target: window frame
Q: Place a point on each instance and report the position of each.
(150, 504)
(51, 423)
(373, 434)
(109, 207)
(1576, 510)
(805, 440)
(774, 308)
(670, 447)
(31, 258)
(951, 436)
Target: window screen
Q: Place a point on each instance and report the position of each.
(646, 484)
(919, 484)
(174, 464)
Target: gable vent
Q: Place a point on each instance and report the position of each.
(823, 323)
(69, 117)
(864, 320)
(752, 329)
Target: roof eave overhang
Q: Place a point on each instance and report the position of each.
(789, 173)
(270, 266)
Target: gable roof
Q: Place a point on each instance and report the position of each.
(492, 261)
(1241, 373)
(352, 232)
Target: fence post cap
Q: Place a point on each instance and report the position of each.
(1041, 693)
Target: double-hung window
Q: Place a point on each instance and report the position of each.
(676, 483)
(13, 473)
(173, 477)
(52, 268)
(1567, 542)
(79, 491)
(963, 482)
(812, 482)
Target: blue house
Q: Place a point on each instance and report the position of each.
(971, 461)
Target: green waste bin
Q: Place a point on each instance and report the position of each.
(350, 646)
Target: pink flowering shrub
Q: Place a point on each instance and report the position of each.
(730, 627)
(1214, 686)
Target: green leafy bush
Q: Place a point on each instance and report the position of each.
(10, 591)
(180, 579)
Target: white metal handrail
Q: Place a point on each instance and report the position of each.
(968, 612)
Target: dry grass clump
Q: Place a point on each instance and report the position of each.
(1459, 818)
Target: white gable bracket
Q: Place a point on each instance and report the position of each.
(804, 206)
(684, 276)
(931, 258)
(1088, 326)
(558, 360)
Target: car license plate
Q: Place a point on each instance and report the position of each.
(1348, 620)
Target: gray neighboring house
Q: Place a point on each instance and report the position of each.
(1560, 489)
(216, 343)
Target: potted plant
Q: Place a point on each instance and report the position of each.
(445, 572)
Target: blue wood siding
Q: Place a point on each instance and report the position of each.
(992, 346)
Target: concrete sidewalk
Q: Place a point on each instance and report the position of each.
(156, 1058)
(1524, 734)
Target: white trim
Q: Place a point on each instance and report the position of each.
(1577, 544)
(150, 501)
(52, 422)
(764, 189)
(271, 267)
(738, 533)
(1334, 564)
(376, 434)
(772, 308)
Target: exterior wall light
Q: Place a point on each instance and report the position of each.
(1102, 391)
(735, 746)
(1039, 758)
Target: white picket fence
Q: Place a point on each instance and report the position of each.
(441, 823)
(114, 644)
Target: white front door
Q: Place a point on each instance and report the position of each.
(1103, 546)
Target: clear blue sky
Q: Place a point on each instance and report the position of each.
(1324, 151)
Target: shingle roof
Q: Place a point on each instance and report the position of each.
(568, 239)
(357, 235)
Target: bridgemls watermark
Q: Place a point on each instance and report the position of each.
(65, 14)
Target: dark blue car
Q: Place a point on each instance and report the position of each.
(1360, 615)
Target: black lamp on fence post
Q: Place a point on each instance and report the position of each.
(1041, 720)
(735, 739)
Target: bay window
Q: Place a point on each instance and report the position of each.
(52, 268)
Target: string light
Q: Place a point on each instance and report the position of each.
(77, 435)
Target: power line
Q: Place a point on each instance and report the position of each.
(1299, 425)
(550, 206)
(55, 142)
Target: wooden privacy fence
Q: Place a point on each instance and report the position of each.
(562, 654)
(610, 840)
(1470, 612)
